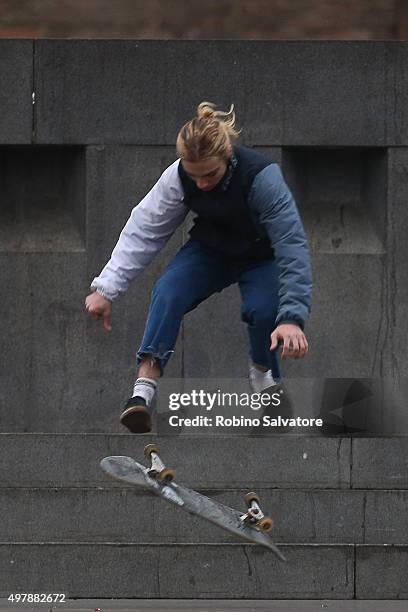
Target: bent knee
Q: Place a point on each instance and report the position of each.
(262, 317)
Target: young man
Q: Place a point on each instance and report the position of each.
(247, 230)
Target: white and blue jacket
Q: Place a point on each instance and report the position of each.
(250, 214)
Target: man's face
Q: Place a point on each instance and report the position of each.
(207, 173)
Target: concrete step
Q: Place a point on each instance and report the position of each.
(72, 460)
(130, 515)
(187, 571)
(288, 461)
(211, 605)
(218, 605)
(204, 571)
(380, 463)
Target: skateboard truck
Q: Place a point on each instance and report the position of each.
(158, 470)
(255, 516)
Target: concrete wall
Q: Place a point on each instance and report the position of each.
(72, 166)
(102, 129)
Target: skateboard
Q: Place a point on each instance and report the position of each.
(251, 525)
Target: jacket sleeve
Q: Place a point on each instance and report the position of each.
(277, 213)
(150, 225)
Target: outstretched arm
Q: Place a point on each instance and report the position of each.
(279, 217)
(151, 224)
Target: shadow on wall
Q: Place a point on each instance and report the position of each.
(364, 406)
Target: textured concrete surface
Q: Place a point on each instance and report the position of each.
(301, 69)
(16, 118)
(109, 86)
(380, 463)
(381, 572)
(102, 514)
(110, 76)
(63, 372)
(104, 125)
(386, 517)
(43, 336)
(223, 348)
(275, 461)
(98, 515)
(44, 206)
(146, 571)
(117, 179)
(397, 283)
(357, 281)
(340, 193)
(217, 605)
(121, 103)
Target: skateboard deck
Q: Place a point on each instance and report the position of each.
(128, 470)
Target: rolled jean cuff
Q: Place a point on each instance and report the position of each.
(161, 357)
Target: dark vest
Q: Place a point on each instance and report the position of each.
(223, 220)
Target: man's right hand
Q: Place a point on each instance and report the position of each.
(99, 307)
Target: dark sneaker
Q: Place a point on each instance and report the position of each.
(136, 415)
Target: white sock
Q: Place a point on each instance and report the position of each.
(260, 380)
(146, 388)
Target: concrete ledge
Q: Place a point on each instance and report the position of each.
(382, 572)
(16, 118)
(94, 91)
(72, 460)
(102, 514)
(205, 571)
(380, 463)
(148, 571)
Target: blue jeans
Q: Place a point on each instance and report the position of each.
(195, 273)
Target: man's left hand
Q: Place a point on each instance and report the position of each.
(294, 340)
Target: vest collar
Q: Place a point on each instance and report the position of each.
(225, 181)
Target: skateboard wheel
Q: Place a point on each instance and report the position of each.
(250, 497)
(167, 475)
(149, 449)
(265, 524)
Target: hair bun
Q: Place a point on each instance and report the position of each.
(206, 109)
(209, 134)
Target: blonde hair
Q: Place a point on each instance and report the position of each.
(209, 134)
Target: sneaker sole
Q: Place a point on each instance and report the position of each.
(137, 419)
